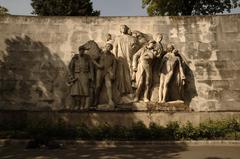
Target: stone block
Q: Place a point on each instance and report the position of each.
(231, 36)
(203, 105)
(234, 64)
(204, 55)
(192, 37)
(206, 82)
(227, 74)
(8, 85)
(224, 95)
(228, 55)
(231, 95)
(216, 94)
(234, 84)
(228, 105)
(229, 24)
(224, 84)
(203, 47)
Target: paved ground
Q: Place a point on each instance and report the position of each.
(125, 151)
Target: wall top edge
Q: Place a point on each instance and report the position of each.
(32, 16)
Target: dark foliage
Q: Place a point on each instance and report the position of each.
(189, 7)
(43, 131)
(3, 11)
(63, 8)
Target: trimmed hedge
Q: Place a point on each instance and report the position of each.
(45, 130)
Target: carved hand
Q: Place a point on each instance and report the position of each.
(183, 82)
(134, 69)
(112, 77)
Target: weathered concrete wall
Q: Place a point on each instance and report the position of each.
(35, 52)
(112, 118)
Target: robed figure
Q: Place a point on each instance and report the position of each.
(124, 48)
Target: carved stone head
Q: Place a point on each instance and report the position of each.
(108, 47)
(108, 37)
(151, 44)
(170, 47)
(81, 50)
(137, 34)
(158, 37)
(124, 29)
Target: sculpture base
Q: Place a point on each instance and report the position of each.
(150, 106)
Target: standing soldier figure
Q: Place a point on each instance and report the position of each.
(81, 71)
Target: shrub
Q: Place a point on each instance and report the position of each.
(139, 131)
(172, 131)
(188, 132)
(44, 130)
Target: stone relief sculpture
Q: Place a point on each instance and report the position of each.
(136, 57)
(170, 67)
(142, 39)
(159, 47)
(109, 38)
(124, 47)
(142, 65)
(81, 74)
(105, 73)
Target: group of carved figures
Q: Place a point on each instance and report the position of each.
(127, 63)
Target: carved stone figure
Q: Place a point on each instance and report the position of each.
(142, 65)
(105, 73)
(92, 49)
(109, 38)
(81, 72)
(142, 38)
(124, 47)
(171, 71)
(125, 69)
(159, 47)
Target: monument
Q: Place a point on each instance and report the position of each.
(89, 64)
(134, 58)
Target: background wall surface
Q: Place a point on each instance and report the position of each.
(35, 53)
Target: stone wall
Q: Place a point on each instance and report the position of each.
(35, 53)
(93, 119)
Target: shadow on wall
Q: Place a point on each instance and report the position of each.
(190, 90)
(126, 151)
(32, 76)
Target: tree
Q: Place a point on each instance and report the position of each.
(3, 11)
(63, 8)
(189, 7)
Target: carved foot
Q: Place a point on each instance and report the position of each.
(95, 103)
(161, 101)
(136, 99)
(131, 96)
(79, 108)
(86, 106)
(111, 104)
(76, 108)
(146, 100)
